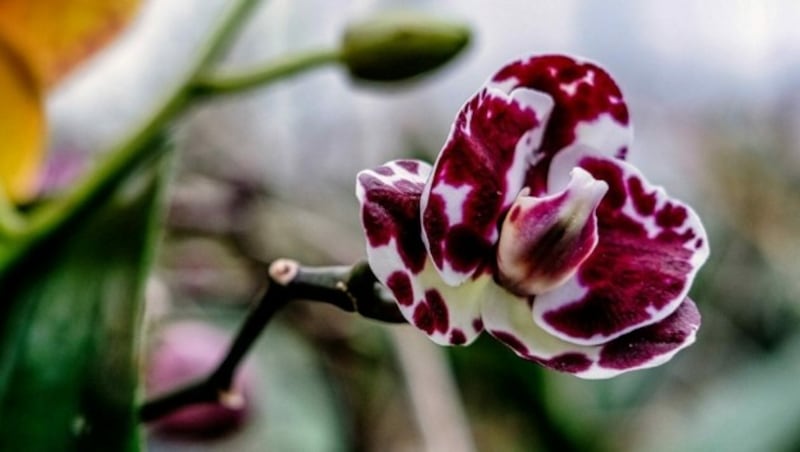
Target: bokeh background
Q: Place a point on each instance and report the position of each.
(713, 92)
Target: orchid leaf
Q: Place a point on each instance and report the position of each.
(70, 321)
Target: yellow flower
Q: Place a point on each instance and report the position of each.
(40, 41)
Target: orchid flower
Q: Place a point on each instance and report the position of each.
(531, 226)
(40, 42)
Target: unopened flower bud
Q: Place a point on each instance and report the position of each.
(187, 351)
(544, 240)
(398, 46)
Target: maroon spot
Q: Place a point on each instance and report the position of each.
(612, 174)
(622, 153)
(465, 250)
(400, 285)
(644, 203)
(409, 165)
(384, 171)
(477, 325)
(571, 73)
(479, 154)
(512, 216)
(547, 74)
(423, 318)
(645, 344)
(438, 310)
(390, 212)
(405, 186)
(568, 362)
(457, 337)
(435, 224)
(671, 216)
(698, 244)
(511, 341)
(669, 235)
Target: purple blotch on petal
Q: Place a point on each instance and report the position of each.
(457, 337)
(671, 216)
(646, 344)
(400, 285)
(645, 203)
(423, 319)
(512, 342)
(572, 363)
(438, 310)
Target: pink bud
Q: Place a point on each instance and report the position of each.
(186, 352)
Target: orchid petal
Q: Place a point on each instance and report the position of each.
(21, 126)
(652, 345)
(507, 318)
(55, 35)
(649, 251)
(389, 197)
(544, 239)
(477, 176)
(589, 108)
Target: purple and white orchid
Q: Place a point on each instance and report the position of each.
(531, 226)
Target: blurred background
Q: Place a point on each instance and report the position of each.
(713, 92)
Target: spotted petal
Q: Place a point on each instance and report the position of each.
(477, 176)
(589, 108)
(508, 319)
(650, 247)
(389, 197)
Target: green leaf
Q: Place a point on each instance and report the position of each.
(69, 324)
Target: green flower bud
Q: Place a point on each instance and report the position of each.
(398, 46)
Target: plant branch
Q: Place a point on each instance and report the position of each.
(352, 289)
(283, 67)
(125, 157)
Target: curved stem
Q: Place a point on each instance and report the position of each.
(132, 151)
(280, 68)
(216, 387)
(353, 289)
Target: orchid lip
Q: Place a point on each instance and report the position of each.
(545, 239)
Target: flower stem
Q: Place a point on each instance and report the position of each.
(353, 289)
(127, 155)
(148, 139)
(280, 68)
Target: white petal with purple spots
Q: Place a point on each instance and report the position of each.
(649, 251)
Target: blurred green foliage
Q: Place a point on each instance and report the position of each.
(70, 325)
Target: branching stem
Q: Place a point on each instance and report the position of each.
(352, 289)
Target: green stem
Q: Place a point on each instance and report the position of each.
(280, 68)
(128, 155)
(11, 222)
